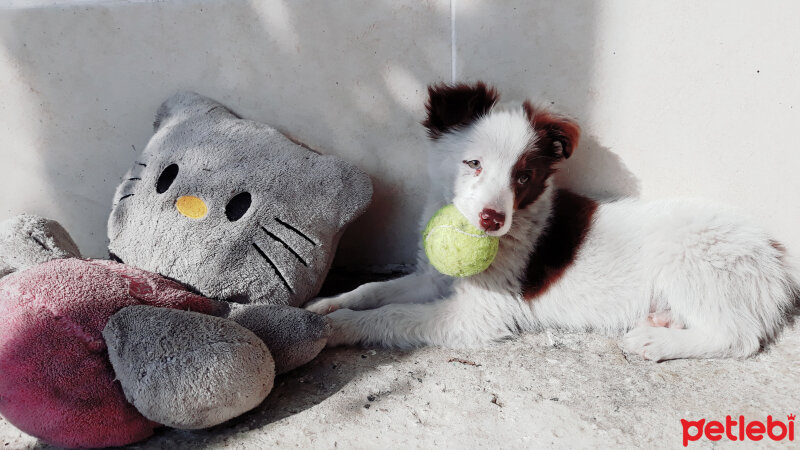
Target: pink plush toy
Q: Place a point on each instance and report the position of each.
(96, 353)
(57, 356)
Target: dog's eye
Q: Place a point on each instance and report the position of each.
(473, 164)
(522, 179)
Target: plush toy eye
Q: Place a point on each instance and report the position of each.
(473, 164)
(522, 179)
(166, 178)
(237, 206)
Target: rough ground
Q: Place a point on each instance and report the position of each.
(553, 389)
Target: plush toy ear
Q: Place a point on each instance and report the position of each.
(556, 133)
(454, 106)
(186, 104)
(348, 188)
(27, 240)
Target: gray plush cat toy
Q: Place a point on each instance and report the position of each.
(245, 220)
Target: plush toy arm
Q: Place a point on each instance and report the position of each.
(294, 336)
(187, 370)
(27, 240)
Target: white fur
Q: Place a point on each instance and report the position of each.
(716, 279)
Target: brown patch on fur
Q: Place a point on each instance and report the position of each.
(777, 246)
(781, 250)
(451, 107)
(556, 139)
(557, 247)
(551, 128)
(538, 167)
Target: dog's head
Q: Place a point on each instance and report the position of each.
(499, 159)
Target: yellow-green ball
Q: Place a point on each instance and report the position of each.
(455, 247)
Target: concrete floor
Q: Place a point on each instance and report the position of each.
(563, 390)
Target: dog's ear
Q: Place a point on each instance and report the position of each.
(453, 106)
(556, 133)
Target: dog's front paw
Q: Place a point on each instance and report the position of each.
(322, 305)
(344, 328)
(649, 342)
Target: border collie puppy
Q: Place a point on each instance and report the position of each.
(682, 279)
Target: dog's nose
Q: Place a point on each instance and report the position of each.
(492, 220)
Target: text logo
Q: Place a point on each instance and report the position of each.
(738, 430)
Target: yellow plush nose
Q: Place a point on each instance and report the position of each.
(191, 207)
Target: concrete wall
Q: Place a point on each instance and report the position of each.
(676, 98)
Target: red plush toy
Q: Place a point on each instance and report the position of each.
(53, 352)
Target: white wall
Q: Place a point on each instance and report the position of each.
(676, 98)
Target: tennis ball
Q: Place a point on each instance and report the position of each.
(455, 247)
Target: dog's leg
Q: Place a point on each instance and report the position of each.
(717, 315)
(662, 343)
(456, 321)
(414, 288)
(726, 284)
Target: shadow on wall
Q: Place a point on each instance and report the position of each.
(544, 52)
(596, 171)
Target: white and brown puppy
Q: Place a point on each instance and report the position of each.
(684, 279)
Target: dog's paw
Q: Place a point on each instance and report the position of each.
(344, 328)
(322, 305)
(653, 343)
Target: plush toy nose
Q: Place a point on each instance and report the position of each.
(191, 207)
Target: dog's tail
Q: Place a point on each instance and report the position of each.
(790, 266)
